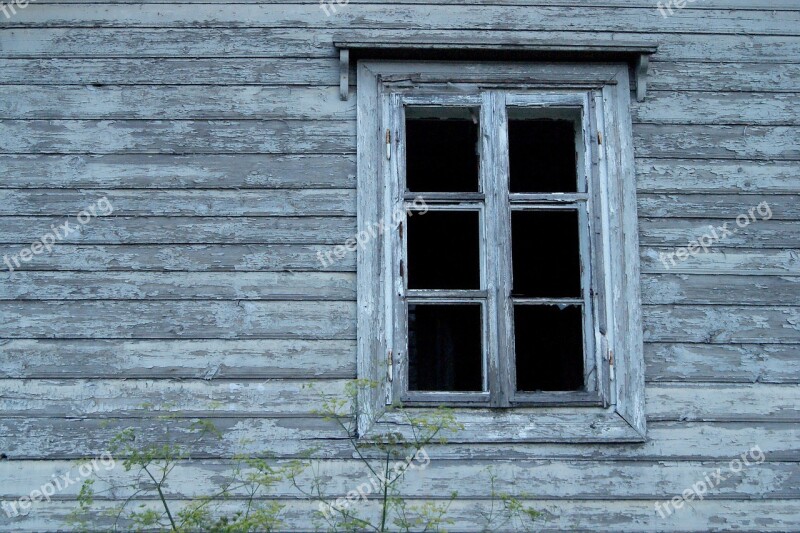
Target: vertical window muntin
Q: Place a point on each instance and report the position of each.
(548, 105)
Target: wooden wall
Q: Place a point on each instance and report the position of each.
(217, 133)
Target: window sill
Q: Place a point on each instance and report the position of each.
(522, 425)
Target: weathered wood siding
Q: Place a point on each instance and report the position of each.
(217, 133)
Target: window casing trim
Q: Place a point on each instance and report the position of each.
(622, 418)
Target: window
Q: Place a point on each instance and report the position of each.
(506, 282)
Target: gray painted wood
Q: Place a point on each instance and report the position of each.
(620, 515)
(151, 171)
(217, 132)
(557, 480)
(293, 42)
(720, 21)
(282, 72)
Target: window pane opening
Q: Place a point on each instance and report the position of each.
(549, 347)
(442, 149)
(444, 250)
(546, 254)
(542, 150)
(444, 348)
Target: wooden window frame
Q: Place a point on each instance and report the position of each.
(612, 408)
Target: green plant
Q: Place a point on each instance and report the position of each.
(151, 464)
(386, 457)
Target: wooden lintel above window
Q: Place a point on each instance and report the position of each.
(636, 54)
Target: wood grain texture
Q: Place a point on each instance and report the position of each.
(24, 438)
(619, 515)
(295, 43)
(256, 286)
(132, 202)
(181, 230)
(557, 480)
(173, 137)
(290, 72)
(726, 261)
(674, 289)
(722, 324)
(277, 397)
(170, 171)
(432, 17)
(704, 363)
(178, 319)
(217, 133)
(187, 258)
(188, 359)
(321, 102)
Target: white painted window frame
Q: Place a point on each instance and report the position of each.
(613, 408)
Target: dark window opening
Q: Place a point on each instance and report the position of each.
(546, 254)
(542, 155)
(441, 150)
(444, 250)
(549, 347)
(444, 348)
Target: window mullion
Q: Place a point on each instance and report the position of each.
(495, 180)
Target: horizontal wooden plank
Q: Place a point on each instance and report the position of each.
(704, 363)
(725, 261)
(202, 359)
(182, 102)
(433, 17)
(664, 75)
(717, 142)
(716, 176)
(171, 137)
(27, 438)
(96, 73)
(178, 320)
(259, 398)
(723, 403)
(754, 5)
(134, 202)
(338, 171)
(664, 232)
(179, 286)
(620, 515)
(721, 324)
(657, 289)
(584, 480)
(295, 43)
(242, 359)
(240, 171)
(671, 289)
(775, 207)
(323, 103)
(745, 77)
(255, 136)
(279, 257)
(188, 258)
(745, 108)
(143, 397)
(181, 230)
